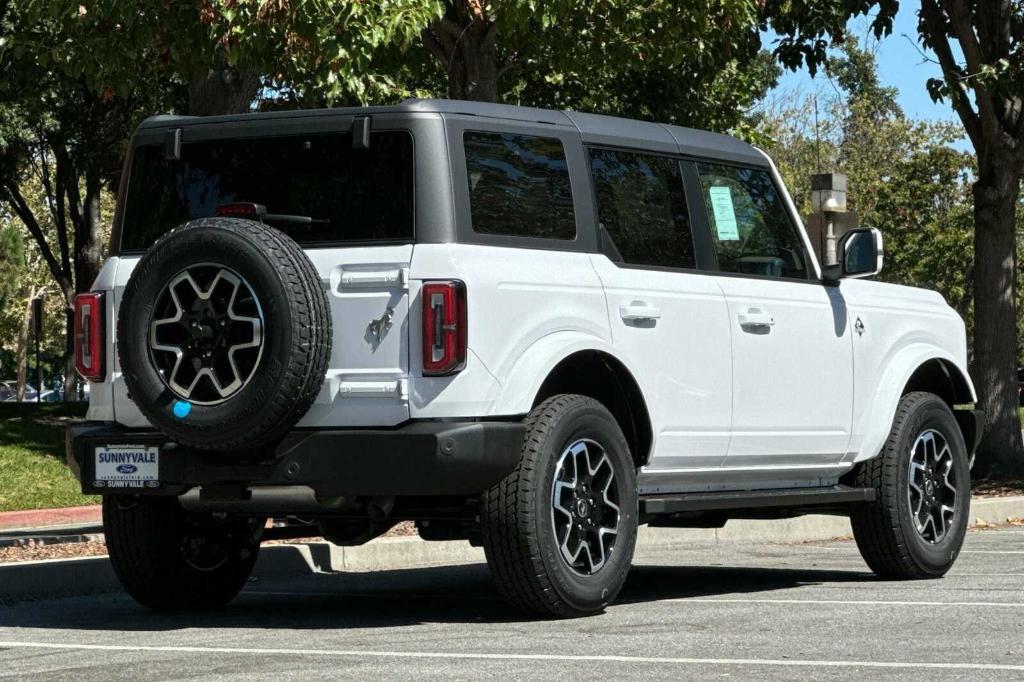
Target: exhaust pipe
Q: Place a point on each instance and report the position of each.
(281, 499)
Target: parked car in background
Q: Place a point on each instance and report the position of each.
(9, 392)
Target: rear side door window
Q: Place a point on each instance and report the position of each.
(641, 208)
(519, 185)
(750, 226)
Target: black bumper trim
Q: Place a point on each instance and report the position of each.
(417, 458)
(837, 495)
(972, 425)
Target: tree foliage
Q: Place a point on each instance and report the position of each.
(690, 62)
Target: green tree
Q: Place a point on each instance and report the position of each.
(12, 258)
(64, 140)
(691, 62)
(979, 47)
(23, 277)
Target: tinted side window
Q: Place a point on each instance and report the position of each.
(519, 186)
(752, 229)
(641, 204)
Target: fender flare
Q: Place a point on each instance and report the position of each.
(876, 422)
(527, 375)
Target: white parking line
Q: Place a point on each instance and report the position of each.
(373, 595)
(844, 602)
(962, 552)
(667, 600)
(663, 660)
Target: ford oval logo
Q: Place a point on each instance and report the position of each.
(127, 469)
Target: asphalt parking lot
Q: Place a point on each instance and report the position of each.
(773, 611)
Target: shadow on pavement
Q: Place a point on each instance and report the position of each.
(453, 594)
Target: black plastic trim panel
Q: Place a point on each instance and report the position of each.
(755, 499)
(417, 458)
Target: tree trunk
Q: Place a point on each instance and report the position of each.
(88, 257)
(22, 353)
(1001, 452)
(464, 42)
(474, 72)
(70, 378)
(222, 90)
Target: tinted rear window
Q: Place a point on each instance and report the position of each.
(361, 195)
(519, 186)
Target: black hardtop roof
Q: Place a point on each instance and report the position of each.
(594, 128)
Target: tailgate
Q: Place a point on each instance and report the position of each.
(367, 376)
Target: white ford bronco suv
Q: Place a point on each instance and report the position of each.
(533, 330)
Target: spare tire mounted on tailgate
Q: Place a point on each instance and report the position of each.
(224, 333)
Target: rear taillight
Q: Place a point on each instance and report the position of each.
(89, 336)
(444, 327)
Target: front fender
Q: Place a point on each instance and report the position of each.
(524, 380)
(875, 423)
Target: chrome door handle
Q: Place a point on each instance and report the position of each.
(756, 320)
(638, 311)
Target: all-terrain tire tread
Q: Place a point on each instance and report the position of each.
(311, 339)
(877, 526)
(509, 526)
(137, 540)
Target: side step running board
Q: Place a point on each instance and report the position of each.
(755, 499)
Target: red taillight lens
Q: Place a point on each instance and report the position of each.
(240, 210)
(444, 327)
(89, 336)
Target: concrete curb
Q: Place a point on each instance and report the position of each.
(40, 518)
(29, 580)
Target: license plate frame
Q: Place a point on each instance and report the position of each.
(126, 466)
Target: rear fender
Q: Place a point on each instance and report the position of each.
(524, 380)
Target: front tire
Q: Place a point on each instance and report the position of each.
(171, 560)
(915, 527)
(559, 531)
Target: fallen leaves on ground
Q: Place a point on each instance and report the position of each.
(986, 488)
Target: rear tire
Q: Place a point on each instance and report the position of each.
(923, 460)
(545, 525)
(171, 560)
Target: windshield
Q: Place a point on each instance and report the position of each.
(348, 195)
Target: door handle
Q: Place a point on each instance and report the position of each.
(756, 320)
(638, 311)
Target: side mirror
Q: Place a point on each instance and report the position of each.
(859, 252)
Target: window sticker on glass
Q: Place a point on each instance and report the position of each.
(725, 215)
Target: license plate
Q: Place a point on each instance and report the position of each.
(127, 466)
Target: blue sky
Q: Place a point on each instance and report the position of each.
(900, 65)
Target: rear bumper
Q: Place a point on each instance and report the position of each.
(418, 458)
